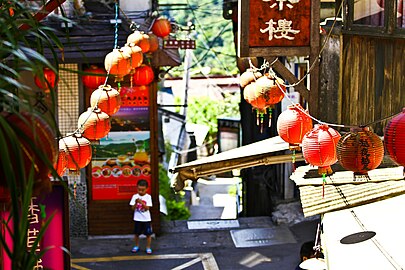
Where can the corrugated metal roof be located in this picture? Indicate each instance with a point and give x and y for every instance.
(342, 192)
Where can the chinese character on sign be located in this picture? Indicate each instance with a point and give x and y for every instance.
(281, 3)
(31, 238)
(32, 209)
(39, 265)
(282, 31)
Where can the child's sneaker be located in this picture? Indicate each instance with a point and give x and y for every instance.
(148, 251)
(135, 249)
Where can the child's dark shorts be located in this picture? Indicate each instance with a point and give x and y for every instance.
(143, 227)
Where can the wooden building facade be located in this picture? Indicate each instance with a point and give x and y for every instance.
(372, 66)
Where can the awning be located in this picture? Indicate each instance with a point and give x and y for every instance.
(343, 191)
(265, 152)
(384, 251)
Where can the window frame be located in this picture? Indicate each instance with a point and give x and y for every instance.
(390, 28)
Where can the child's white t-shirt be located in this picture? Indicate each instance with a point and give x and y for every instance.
(141, 214)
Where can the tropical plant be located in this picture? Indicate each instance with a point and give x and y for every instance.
(22, 45)
(176, 207)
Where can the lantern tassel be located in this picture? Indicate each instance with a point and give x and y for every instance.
(74, 190)
(323, 184)
(293, 160)
(269, 117)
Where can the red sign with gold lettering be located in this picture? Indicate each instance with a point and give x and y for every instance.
(279, 23)
(277, 27)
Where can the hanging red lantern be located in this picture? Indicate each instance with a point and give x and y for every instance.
(61, 163)
(117, 64)
(48, 82)
(134, 53)
(249, 76)
(78, 151)
(360, 151)
(293, 124)
(140, 39)
(153, 43)
(36, 132)
(394, 138)
(94, 123)
(319, 147)
(161, 27)
(271, 88)
(143, 75)
(95, 79)
(106, 99)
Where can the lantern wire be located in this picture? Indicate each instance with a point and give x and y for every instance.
(267, 65)
(79, 130)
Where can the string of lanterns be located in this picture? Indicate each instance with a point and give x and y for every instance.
(75, 150)
(360, 150)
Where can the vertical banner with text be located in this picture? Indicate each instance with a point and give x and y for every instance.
(123, 157)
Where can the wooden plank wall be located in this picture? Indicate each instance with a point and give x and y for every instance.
(372, 81)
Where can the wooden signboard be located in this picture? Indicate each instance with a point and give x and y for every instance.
(277, 27)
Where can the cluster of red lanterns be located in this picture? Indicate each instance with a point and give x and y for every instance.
(75, 149)
(359, 150)
(261, 91)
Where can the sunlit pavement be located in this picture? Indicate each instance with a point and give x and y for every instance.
(200, 244)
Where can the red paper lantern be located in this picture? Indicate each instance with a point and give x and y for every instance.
(106, 99)
(258, 102)
(394, 138)
(153, 43)
(78, 151)
(140, 39)
(319, 147)
(161, 27)
(360, 151)
(48, 82)
(143, 75)
(38, 133)
(94, 123)
(94, 81)
(249, 76)
(134, 53)
(293, 124)
(61, 163)
(270, 88)
(117, 64)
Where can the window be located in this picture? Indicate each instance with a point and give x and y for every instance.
(375, 17)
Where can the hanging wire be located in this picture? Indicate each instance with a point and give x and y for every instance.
(116, 26)
(266, 65)
(79, 129)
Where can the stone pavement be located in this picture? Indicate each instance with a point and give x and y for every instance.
(263, 242)
(181, 248)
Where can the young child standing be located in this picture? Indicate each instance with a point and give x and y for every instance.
(140, 203)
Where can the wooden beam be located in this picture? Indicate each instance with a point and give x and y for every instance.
(44, 11)
(314, 60)
(290, 77)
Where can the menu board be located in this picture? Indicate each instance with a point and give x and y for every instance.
(123, 157)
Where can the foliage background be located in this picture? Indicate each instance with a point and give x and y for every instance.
(213, 34)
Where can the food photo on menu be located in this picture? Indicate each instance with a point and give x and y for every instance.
(119, 161)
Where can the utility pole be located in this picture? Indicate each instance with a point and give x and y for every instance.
(186, 79)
